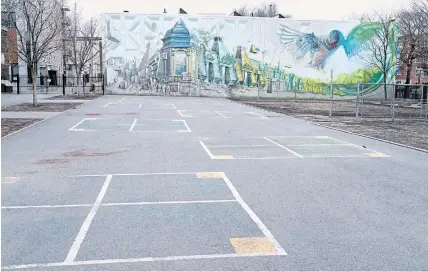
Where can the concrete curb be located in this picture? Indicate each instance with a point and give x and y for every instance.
(341, 130)
(373, 138)
(49, 118)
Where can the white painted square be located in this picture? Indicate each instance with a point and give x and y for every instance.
(245, 222)
(129, 124)
(283, 147)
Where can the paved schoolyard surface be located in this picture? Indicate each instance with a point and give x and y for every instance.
(164, 183)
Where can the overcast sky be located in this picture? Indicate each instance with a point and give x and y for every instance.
(299, 9)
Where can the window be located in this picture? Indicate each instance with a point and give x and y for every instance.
(180, 63)
(421, 72)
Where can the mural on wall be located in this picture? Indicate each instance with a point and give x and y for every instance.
(152, 52)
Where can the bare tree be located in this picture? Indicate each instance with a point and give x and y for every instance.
(360, 16)
(421, 6)
(38, 26)
(263, 10)
(380, 49)
(83, 40)
(412, 41)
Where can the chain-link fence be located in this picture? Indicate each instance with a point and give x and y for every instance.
(389, 101)
(60, 84)
(393, 101)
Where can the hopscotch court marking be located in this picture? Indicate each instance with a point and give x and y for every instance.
(311, 146)
(243, 246)
(131, 125)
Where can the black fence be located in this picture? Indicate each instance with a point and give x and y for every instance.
(62, 84)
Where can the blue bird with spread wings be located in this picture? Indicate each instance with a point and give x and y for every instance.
(320, 48)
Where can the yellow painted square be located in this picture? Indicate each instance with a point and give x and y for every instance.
(208, 175)
(252, 245)
(223, 157)
(321, 137)
(376, 155)
(9, 180)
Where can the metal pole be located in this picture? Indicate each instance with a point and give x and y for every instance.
(101, 65)
(17, 84)
(331, 95)
(295, 93)
(64, 79)
(258, 92)
(357, 102)
(393, 103)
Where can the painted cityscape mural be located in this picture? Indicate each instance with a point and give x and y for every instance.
(155, 52)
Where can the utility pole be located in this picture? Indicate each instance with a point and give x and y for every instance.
(92, 51)
(63, 28)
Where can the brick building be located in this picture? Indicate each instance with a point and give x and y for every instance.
(419, 70)
(9, 55)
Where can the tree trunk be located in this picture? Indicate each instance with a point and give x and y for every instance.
(409, 64)
(33, 80)
(384, 85)
(79, 91)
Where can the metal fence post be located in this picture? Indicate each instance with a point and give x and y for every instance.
(357, 101)
(331, 95)
(295, 93)
(393, 102)
(64, 79)
(17, 84)
(258, 92)
(102, 83)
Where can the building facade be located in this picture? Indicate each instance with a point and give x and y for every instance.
(9, 52)
(419, 69)
(244, 53)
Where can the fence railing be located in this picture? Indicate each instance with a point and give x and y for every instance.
(60, 84)
(390, 101)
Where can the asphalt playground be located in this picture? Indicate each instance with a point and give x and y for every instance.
(177, 183)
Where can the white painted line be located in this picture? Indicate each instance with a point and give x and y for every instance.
(289, 150)
(182, 115)
(46, 206)
(254, 216)
(216, 102)
(146, 259)
(220, 114)
(72, 253)
(315, 145)
(168, 202)
(140, 106)
(24, 266)
(76, 125)
(260, 158)
(255, 113)
(207, 150)
(173, 106)
(157, 131)
(338, 156)
(360, 147)
(239, 145)
(133, 124)
(122, 99)
(137, 174)
(105, 106)
(185, 124)
(119, 204)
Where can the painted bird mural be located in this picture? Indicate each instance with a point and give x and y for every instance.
(320, 48)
